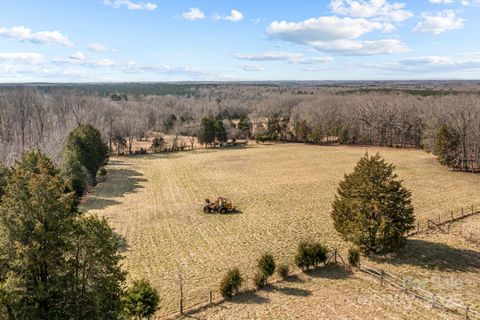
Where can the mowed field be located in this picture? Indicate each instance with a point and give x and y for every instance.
(284, 193)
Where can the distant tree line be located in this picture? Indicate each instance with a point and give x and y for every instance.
(40, 118)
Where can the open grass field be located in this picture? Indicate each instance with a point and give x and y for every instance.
(284, 193)
(324, 294)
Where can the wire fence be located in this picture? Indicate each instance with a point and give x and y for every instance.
(435, 300)
(442, 221)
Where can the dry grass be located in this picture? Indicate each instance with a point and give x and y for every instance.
(324, 294)
(283, 191)
(443, 264)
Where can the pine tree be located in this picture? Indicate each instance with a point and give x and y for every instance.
(36, 215)
(85, 145)
(4, 173)
(94, 275)
(446, 145)
(372, 209)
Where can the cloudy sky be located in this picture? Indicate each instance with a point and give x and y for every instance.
(160, 40)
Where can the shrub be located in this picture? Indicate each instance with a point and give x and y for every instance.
(231, 283)
(310, 254)
(372, 208)
(318, 253)
(141, 300)
(282, 271)
(266, 264)
(302, 258)
(354, 257)
(103, 172)
(260, 280)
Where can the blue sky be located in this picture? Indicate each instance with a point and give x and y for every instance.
(197, 40)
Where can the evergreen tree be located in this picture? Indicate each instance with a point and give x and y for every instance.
(206, 133)
(141, 300)
(446, 145)
(220, 133)
(85, 145)
(4, 173)
(372, 209)
(244, 127)
(53, 264)
(94, 274)
(36, 215)
(76, 176)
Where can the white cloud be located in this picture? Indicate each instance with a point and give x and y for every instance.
(293, 58)
(462, 2)
(77, 56)
(378, 9)
(97, 47)
(326, 28)
(23, 33)
(251, 67)
(235, 16)
(268, 56)
(131, 5)
(366, 47)
(443, 21)
(442, 1)
(432, 64)
(338, 35)
(193, 14)
(25, 57)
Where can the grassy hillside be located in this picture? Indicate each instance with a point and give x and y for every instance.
(284, 193)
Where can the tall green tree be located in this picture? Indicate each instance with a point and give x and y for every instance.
(447, 142)
(220, 133)
(53, 263)
(206, 132)
(4, 173)
(94, 275)
(85, 145)
(36, 215)
(372, 208)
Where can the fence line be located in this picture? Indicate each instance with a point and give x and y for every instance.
(442, 220)
(422, 294)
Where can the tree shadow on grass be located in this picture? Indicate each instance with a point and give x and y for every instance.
(290, 291)
(294, 278)
(117, 184)
(433, 255)
(249, 298)
(335, 272)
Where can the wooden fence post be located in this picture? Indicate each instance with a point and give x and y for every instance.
(211, 297)
(467, 309)
(405, 287)
(381, 276)
(439, 221)
(452, 215)
(462, 212)
(418, 226)
(472, 210)
(434, 300)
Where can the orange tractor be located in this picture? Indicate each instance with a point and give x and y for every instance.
(221, 205)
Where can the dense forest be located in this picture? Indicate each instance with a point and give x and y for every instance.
(443, 121)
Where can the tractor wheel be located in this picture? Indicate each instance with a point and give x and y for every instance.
(223, 210)
(206, 209)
